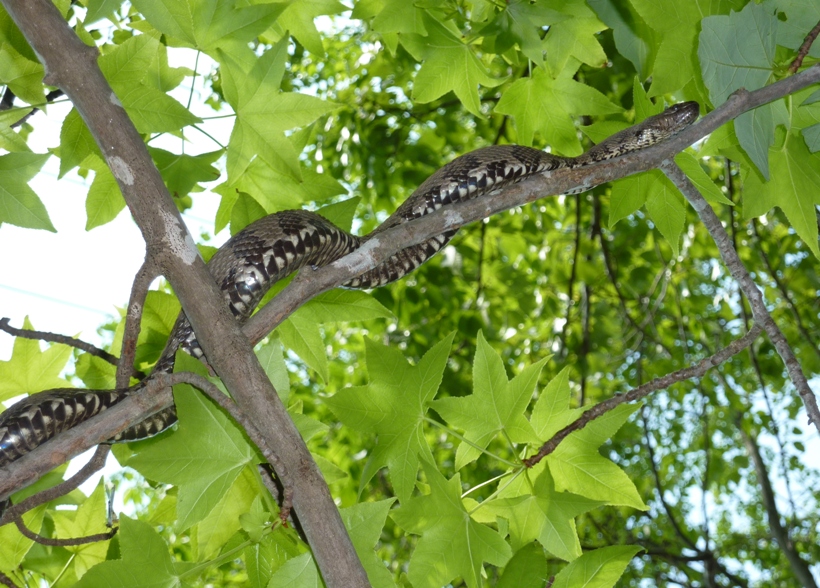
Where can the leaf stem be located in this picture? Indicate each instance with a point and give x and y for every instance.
(468, 442)
(497, 491)
(209, 136)
(486, 482)
(198, 569)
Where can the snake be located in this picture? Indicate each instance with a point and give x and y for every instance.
(274, 246)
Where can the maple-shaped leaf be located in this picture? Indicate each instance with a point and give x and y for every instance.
(23, 76)
(394, 407)
(540, 513)
(575, 37)
(202, 457)
(399, 16)
(576, 465)
(181, 172)
(298, 19)
(207, 24)
(448, 64)
(15, 544)
(31, 370)
(19, 205)
(452, 544)
(541, 103)
(223, 521)
(678, 24)
(495, 406)
(365, 522)
(263, 113)
(521, 22)
(600, 568)
(127, 69)
(146, 561)
(88, 519)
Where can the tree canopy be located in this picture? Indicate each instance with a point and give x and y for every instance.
(608, 387)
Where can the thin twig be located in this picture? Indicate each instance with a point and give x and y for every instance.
(6, 581)
(804, 48)
(95, 464)
(136, 304)
(741, 275)
(600, 409)
(57, 338)
(63, 542)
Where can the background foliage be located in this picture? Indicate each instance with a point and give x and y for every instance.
(420, 399)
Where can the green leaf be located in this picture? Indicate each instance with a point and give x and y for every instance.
(271, 356)
(104, 201)
(31, 370)
(600, 568)
(302, 336)
(394, 406)
(88, 519)
(289, 193)
(446, 528)
(203, 456)
(677, 24)
(793, 188)
(737, 51)
(399, 16)
(15, 544)
(629, 194)
(341, 213)
(96, 373)
(543, 515)
(577, 466)
(521, 23)
(263, 113)
(338, 306)
(299, 572)
(181, 173)
(126, 68)
(10, 140)
(145, 561)
(540, 103)
(23, 76)
(222, 522)
(76, 142)
(812, 137)
(692, 168)
(665, 206)
(575, 37)
(526, 569)
(19, 205)
(450, 65)
(551, 412)
(631, 33)
(244, 212)
(496, 405)
(365, 522)
(208, 24)
(298, 19)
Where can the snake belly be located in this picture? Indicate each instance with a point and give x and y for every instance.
(273, 247)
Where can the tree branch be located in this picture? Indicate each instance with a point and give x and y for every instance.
(133, 317)
(741, 275)
(72, 66)
(600, 409)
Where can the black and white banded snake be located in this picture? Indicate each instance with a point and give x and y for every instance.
(275, 246)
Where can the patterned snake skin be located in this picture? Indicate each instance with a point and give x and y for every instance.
(277, 245)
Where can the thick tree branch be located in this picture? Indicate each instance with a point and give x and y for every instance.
(72, 66)
(741, 275)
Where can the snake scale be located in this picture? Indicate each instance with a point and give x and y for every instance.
(274, 246)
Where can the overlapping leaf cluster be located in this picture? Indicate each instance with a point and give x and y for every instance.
(405, 394)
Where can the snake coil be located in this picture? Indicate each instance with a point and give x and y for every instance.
(274, 246)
